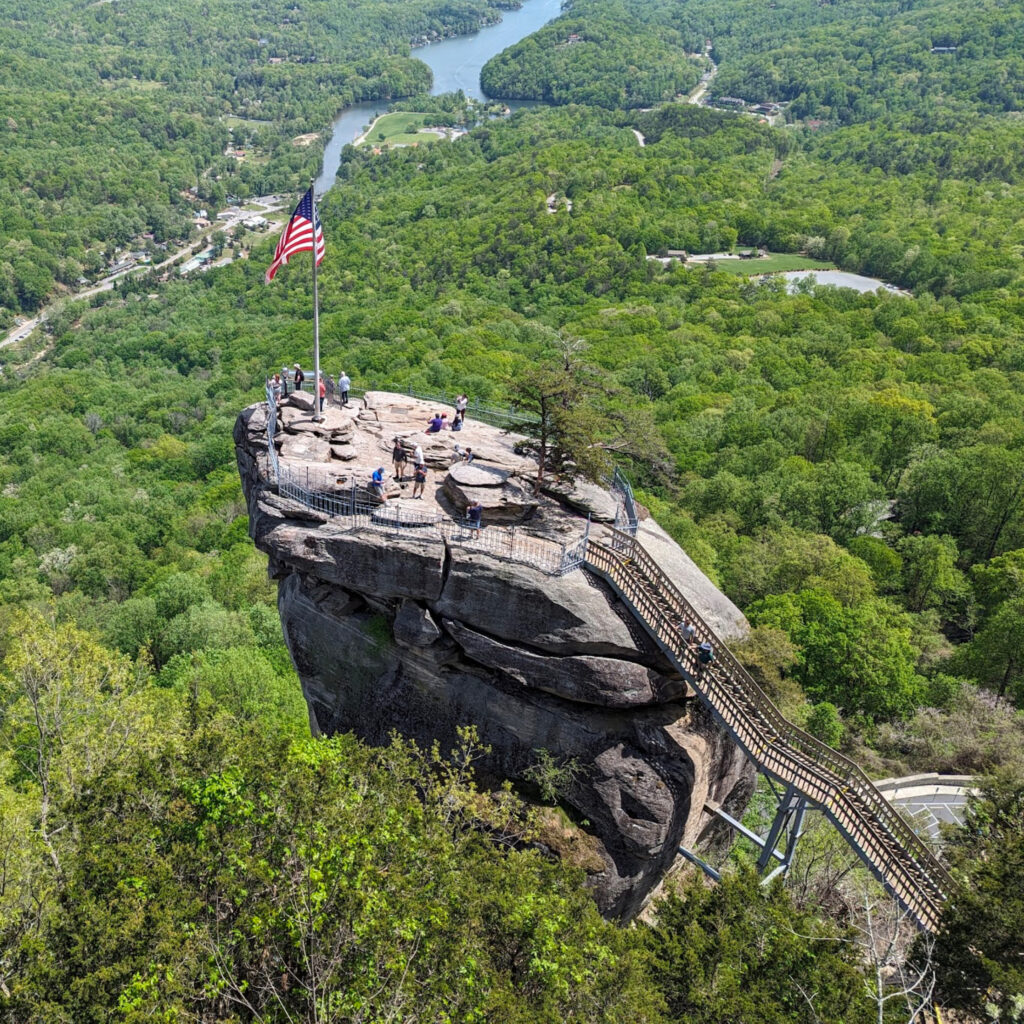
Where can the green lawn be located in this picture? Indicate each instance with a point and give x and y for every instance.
(773, 263)
(399, 129)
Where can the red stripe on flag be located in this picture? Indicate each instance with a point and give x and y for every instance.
(298, 235)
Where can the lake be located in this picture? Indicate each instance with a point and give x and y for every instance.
(456, 64)
(840, 279)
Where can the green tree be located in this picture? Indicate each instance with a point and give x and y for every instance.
(245, 876)
(979, 950)
(930, 576)
(564, 431)
(859, 658)
(1000, 579)
(995, 657)
(737, 951)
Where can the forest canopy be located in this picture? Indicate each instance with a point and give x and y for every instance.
(847, 467)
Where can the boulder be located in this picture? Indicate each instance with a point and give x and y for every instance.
(393, 628)
(586, 497)
(378, 563)
(569, 614)
(303, 448)
(470, 474)
(414, 625)
(505, 504)
(298, 400)
(624, 772)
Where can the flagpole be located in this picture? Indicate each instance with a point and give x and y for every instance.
(317, 412)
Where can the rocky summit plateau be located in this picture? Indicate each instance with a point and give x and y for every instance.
(400, 619)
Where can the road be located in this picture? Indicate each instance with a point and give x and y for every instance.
(227, 221)
(698, 94)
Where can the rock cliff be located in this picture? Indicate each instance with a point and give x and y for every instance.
(427, 628)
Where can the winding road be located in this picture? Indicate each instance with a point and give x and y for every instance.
(227, 221)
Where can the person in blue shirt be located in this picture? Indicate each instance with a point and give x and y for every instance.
(377, 482)
(705, 656)
(474, 513)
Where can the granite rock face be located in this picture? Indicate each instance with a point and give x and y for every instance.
(423, 633)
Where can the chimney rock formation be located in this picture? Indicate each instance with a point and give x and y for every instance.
(423, 628)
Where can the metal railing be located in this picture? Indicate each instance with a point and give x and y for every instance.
(626, 518)
(506, 419)
(353, 507)
(884, 840)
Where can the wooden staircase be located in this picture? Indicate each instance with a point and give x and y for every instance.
(836, 785)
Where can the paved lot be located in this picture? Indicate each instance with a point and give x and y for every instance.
(931, 799)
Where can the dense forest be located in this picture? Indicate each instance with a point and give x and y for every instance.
(849, 468)
(846, 62)
(113, 112)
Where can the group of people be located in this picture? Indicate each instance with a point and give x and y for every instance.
(326, 386)
(439, 421)
(400, 460)
(704, 651)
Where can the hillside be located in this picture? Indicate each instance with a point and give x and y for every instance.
(848, 468)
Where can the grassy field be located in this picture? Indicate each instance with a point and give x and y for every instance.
(773, 263)
(399, 129)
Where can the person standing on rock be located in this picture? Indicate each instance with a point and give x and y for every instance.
(323, 393)
(344, 383)
(284, 381)
(275, 387)
(399, 459)
(419, 479)
(474, 514)
(299, 377)
(460, 407)
(377, 482)
(330, 387)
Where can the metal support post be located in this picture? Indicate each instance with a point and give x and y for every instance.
(788, 821)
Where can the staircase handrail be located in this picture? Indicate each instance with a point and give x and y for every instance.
(628, 502)
(765, 732)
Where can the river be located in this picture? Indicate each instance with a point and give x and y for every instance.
(456, 64)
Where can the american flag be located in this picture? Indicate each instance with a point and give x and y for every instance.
(298, 235)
